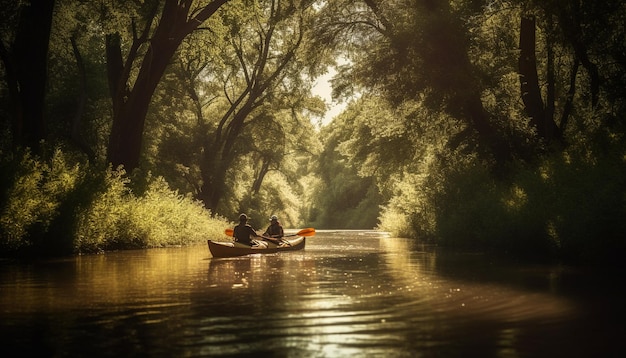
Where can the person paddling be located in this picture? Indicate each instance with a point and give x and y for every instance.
(243, 232)
(275, 231)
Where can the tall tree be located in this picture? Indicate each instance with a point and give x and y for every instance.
(260, 61)
(540, 117)
(25, 62)
(575, 33)
(131, 95)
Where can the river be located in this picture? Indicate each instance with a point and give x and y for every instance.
(348, 294)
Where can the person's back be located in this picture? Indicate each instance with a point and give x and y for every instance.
(243, 231)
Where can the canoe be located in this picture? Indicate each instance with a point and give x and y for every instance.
(233, 249)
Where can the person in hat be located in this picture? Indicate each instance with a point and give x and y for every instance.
(275, 230)
(243, 232)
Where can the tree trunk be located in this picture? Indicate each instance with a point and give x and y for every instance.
(489, 137)
(260, 76)
(570, 18)
(218, 158)
(75, 133)
(115, 70)
(529, 81)
(569, 102)
(29, 62)
(258, 181)
(552, 130)
(128, 123)
(130, 108)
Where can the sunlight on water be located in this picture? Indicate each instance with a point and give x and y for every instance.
(347, 294)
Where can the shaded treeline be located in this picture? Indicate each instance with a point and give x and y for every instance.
(472, 124)
(486, 124)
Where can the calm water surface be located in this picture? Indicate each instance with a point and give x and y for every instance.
(349, 293)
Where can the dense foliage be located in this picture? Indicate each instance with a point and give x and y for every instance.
(488, 124)
(209, 97)
(56, 205)
(472, 124)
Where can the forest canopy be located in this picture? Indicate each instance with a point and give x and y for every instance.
(471, 124)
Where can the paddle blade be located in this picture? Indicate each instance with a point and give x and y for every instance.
(306, 232)
(229, 232)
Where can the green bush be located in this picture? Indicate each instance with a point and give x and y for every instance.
(117, 219)
(409, 212)
(33, 193)
(568, 207)
(58, 206)
(103, 224)
(588, 202)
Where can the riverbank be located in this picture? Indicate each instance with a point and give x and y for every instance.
(64, 207)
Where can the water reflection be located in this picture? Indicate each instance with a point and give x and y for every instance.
(347, 293)
(473, 295)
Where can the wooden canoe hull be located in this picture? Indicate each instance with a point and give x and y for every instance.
(233, 249)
